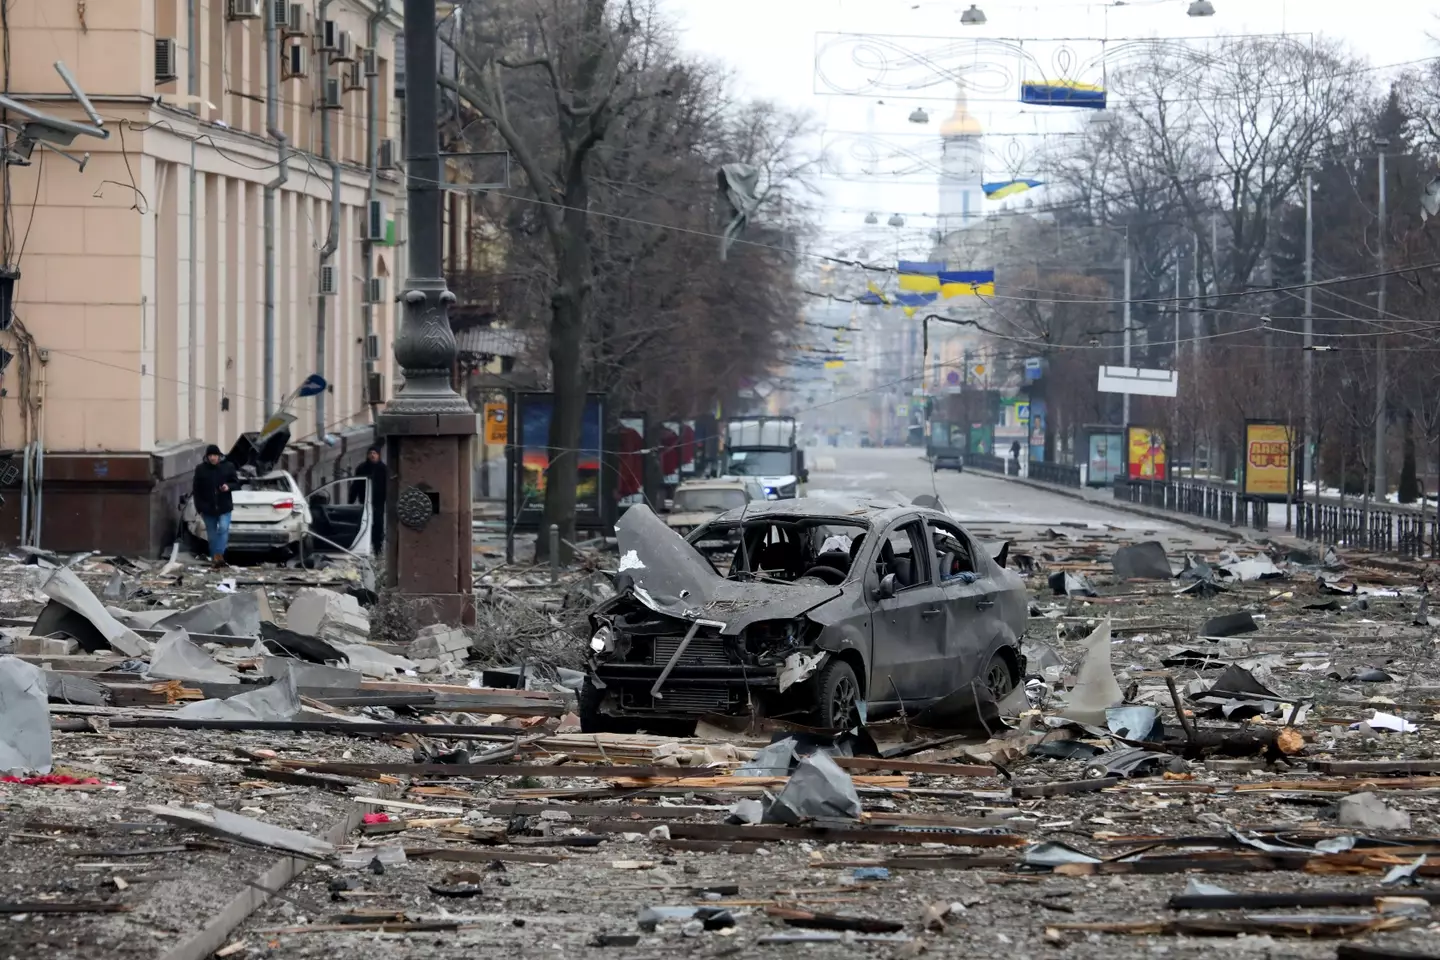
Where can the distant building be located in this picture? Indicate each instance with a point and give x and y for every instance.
(962, 168)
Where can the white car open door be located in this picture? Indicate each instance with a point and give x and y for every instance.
(335, 522)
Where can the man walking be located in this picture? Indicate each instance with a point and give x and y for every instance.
(375, 471)
(213, 501)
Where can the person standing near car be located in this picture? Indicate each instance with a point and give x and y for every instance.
(214, 478)
(378, 475)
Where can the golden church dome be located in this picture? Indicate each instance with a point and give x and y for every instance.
(961, 123)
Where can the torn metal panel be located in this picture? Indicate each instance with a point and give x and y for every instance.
(275, 701)
(24, 718)
(64, 588)
(1142, 561)
(176, 658)
(234, 614)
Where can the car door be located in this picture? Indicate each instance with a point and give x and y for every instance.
(907, 629)
(972, 613)
(335, 522)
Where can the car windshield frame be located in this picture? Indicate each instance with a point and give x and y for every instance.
(759, 463)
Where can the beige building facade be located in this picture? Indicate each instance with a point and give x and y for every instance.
(140, 306)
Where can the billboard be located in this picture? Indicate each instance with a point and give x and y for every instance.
(1145, 454)
(531, 452)
(1269, 467)
(1105, 458)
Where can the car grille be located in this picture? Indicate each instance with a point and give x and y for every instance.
(702, 652)
(678, 698)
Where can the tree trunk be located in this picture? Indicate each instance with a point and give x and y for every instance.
(568, 384)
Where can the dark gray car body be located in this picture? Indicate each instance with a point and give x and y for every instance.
(755, 643)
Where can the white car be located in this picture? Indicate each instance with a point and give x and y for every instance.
(697, 502)
(273, 514)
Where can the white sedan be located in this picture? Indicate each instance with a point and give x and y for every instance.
(273, 514)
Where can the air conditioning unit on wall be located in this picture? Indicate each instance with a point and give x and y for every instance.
(296, 22)
(344, 48)
(296, 63)
(385, 158)
(375, 290)
(328, 283)
(329, 35)
(371, 62)
(334, 97)
(245, 9)
(165, 60)
(354, 79)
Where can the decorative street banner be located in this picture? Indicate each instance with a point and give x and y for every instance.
(1145, 454)
(631, 456)
(1269, 468)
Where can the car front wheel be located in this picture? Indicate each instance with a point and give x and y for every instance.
(837, 696)
(593, 721)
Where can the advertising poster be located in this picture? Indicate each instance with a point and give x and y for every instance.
(533, 458)
(631, 483)
(1269, 472)
(1145, 458)
(1106, 459)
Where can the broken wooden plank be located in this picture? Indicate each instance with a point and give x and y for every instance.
(473, 855)
(1295, 898)
(1063, 787)
(1398, 768)
(63, 906)
(912, 766)
(856, 834)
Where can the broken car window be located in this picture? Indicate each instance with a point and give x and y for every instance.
(953, 556)
(803, 547)
(904, 554)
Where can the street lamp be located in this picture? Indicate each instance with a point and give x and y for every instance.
(974, 17)
(918, 115)
(871, 219)
(896, 220)
(1202, 8)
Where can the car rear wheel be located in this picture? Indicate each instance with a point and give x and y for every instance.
(1000, 676)
(837, 696)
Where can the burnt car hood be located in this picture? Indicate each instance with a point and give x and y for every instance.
(670, 576)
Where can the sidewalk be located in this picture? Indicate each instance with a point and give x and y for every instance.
(1104, 498)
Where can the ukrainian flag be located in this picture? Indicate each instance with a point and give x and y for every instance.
(967, 283)
(1062, 93)
(1008, 188)
(919, 276)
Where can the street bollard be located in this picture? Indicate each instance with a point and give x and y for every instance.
(554, 553)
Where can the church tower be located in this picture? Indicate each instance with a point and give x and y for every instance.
(962, 168)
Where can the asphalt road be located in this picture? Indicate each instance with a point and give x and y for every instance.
(982, 501)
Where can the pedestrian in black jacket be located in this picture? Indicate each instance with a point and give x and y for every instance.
(378, 475)
(214, 480)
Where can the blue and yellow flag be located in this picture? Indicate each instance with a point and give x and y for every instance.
(1008, 188)
(967, 283)
(1062, 93)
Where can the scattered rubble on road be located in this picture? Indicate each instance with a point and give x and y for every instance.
(242, 764)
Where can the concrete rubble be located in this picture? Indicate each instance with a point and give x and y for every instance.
(270, 774)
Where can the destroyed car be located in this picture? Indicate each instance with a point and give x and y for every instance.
(697, 502)
(829, 612)
(272, 513)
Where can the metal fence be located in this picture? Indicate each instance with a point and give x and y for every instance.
(1063, 474)
(1401, 532)
(988, 461)
(1222, 504)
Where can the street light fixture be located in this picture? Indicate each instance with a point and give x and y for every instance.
(918, 115)
(871, 219)
(1202, 8)
(896, 220)
(973, 17)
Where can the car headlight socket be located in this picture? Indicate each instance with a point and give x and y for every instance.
(603, 640)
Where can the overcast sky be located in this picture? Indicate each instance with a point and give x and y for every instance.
(770, 46)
